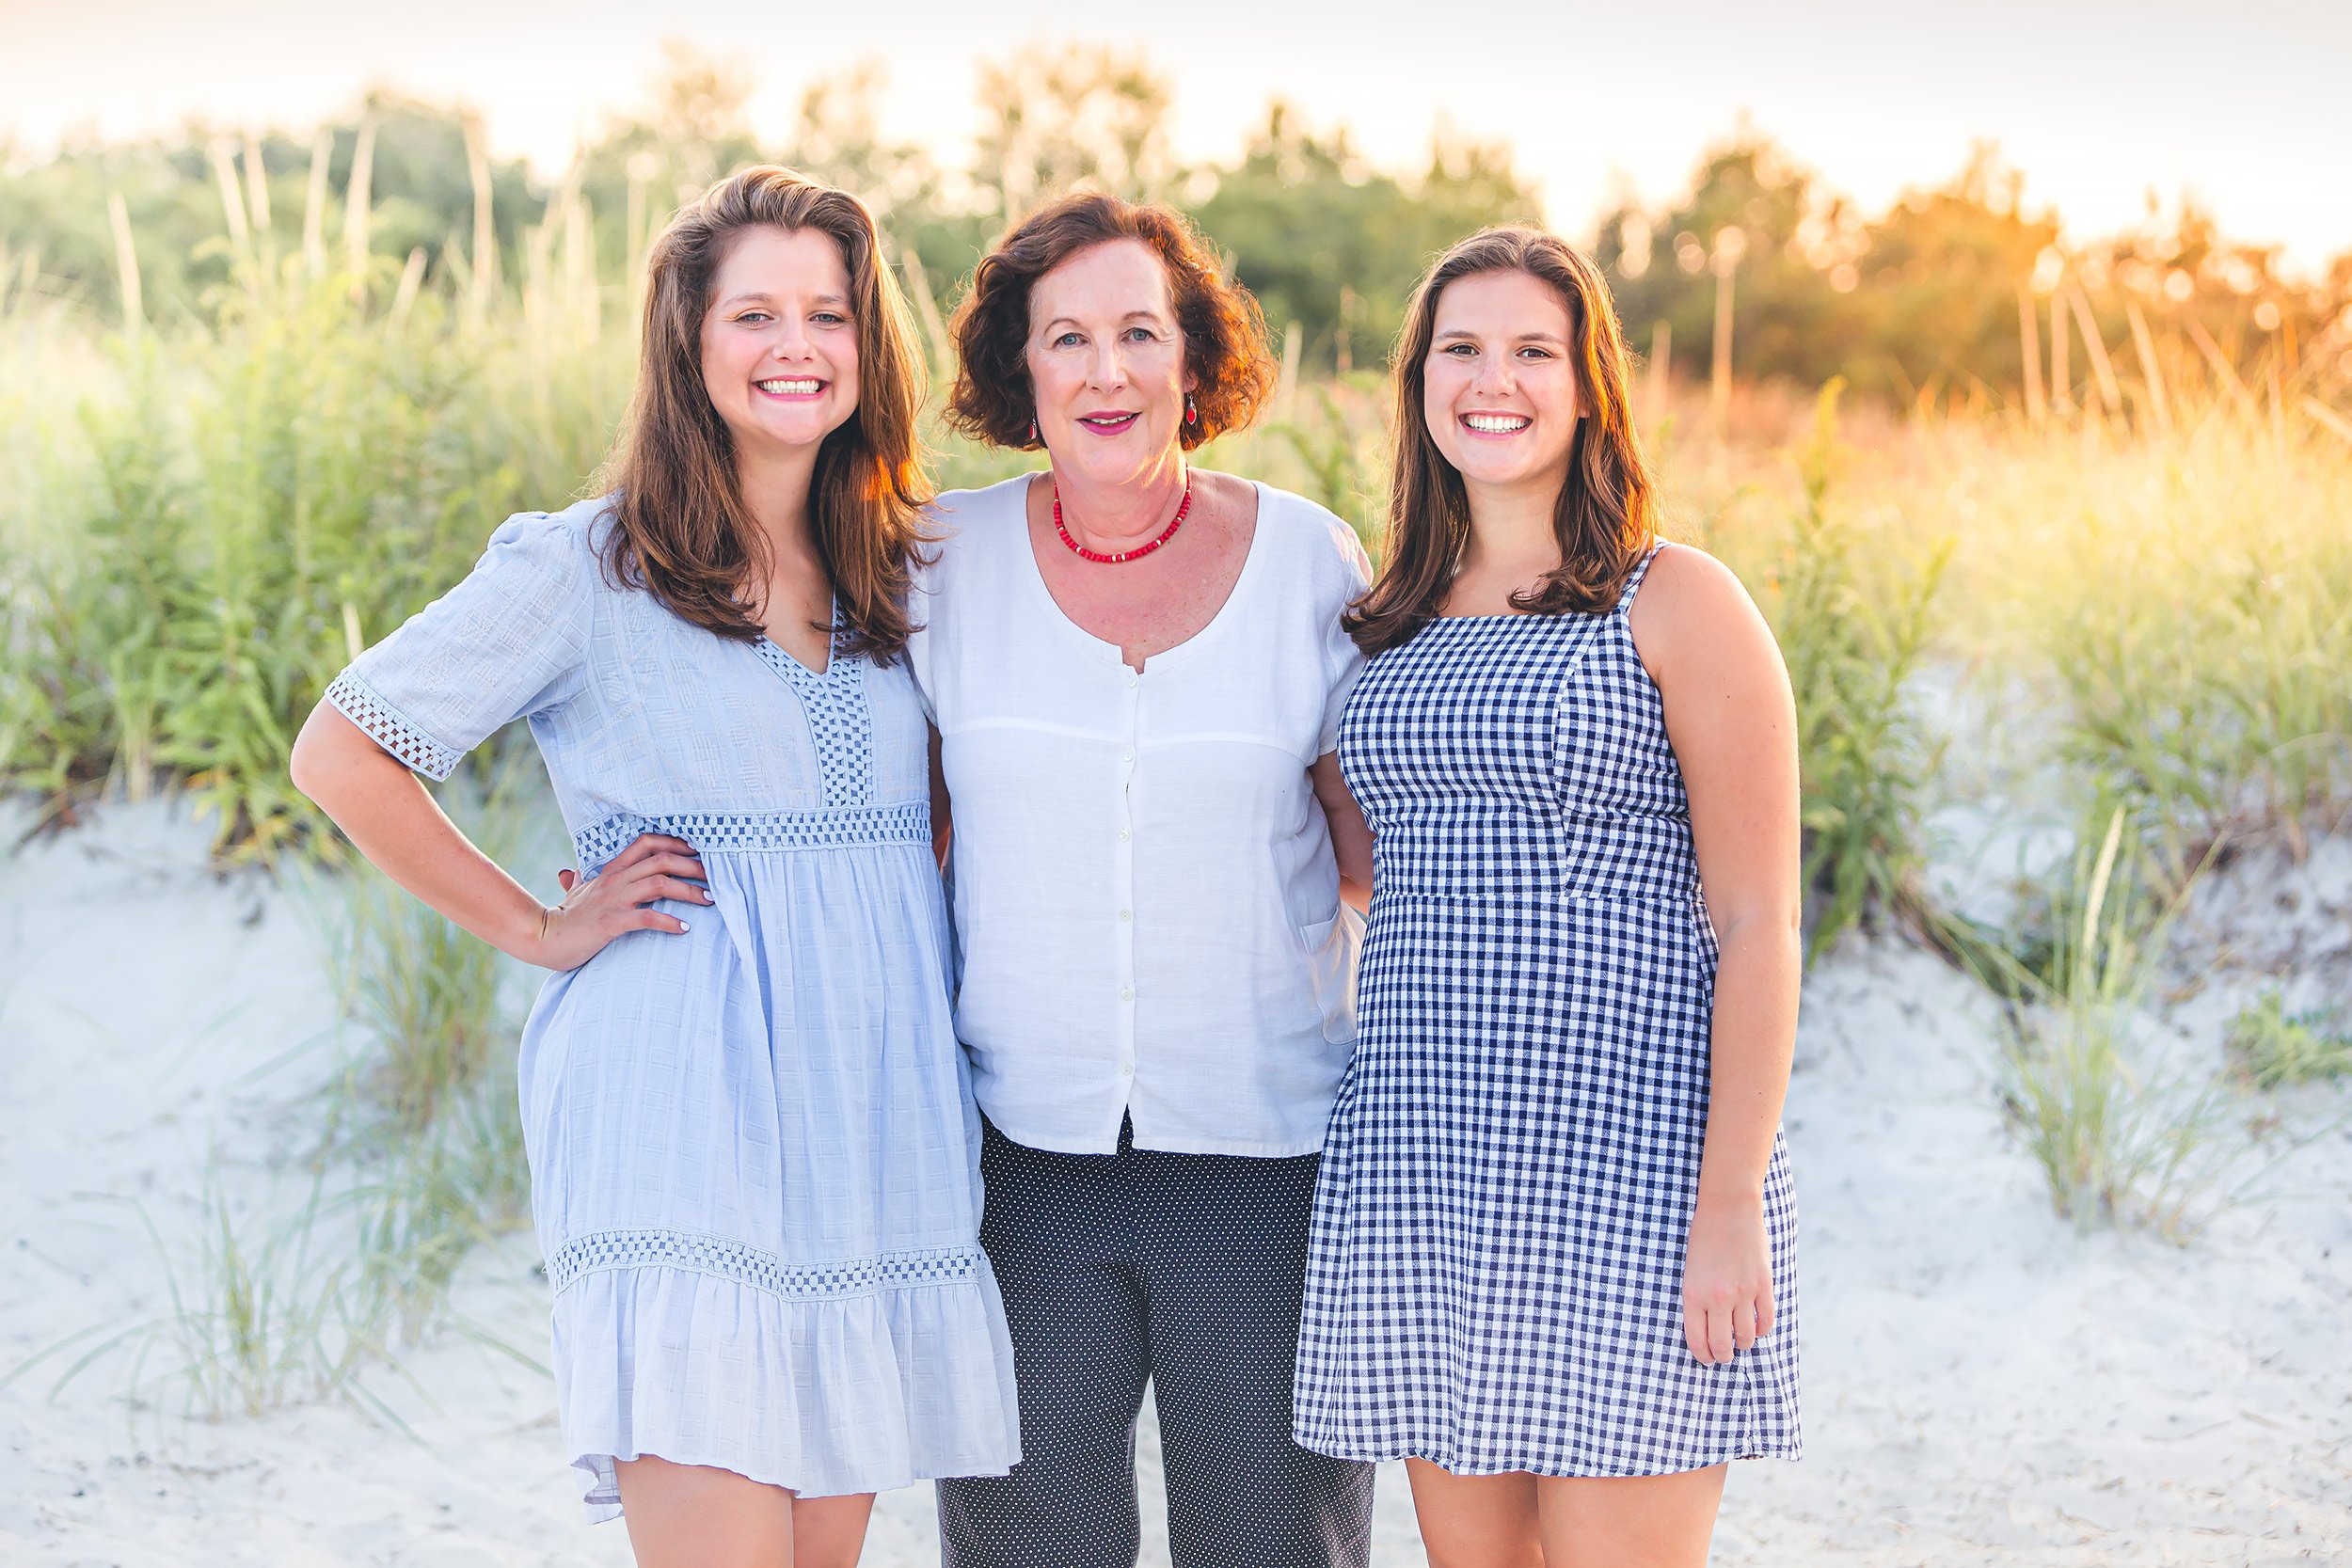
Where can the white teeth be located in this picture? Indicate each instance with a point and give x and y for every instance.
(790, 386)
(1496, 424)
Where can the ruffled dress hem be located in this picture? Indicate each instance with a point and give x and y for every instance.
(863, 1388)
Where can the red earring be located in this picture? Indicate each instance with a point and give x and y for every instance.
(1192, 415)
(1033, 430)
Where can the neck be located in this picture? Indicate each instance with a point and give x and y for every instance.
(1511, 529)
(1112, 515)
(774, 484)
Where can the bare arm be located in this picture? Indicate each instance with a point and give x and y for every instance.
(1351, 835)
(389, 815)
(1732, 723)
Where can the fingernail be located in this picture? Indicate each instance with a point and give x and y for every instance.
(681, 926)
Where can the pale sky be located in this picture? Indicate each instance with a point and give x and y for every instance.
(2097, 102)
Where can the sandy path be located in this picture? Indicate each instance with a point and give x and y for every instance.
(1983, 1386)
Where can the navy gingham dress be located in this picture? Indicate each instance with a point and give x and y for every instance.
(1495, 1282)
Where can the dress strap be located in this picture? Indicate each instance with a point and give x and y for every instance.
(1633, 578)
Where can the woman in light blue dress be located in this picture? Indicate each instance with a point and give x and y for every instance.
(753, 1148)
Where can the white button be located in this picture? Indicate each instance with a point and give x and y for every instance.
(1126, 756)
(1126, 994)
(1133, 677)
(1126, 914)
(1124, 834)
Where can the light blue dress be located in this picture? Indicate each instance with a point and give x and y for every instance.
(754, 1152)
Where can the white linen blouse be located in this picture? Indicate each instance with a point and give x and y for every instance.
(1144, 889)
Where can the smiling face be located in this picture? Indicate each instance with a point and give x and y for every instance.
(1499, 389)
(779, 343)
(1106, 363)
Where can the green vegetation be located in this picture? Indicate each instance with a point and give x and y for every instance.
(1853, 627)
(256, 1316)
(430, 999)
(1960, 296)
(1329, 242)
(422, 1142)
(2117, 1135)
(2182, 606)
(421, 1161)
(2270, 1047)
(225, 514)
(250, 433)
(1920, 304)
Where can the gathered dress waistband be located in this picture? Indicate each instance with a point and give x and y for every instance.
(757, 831)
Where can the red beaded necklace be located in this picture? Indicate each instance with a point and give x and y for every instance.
(1114, 558)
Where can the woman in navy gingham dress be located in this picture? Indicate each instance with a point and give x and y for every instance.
(1553, 1258)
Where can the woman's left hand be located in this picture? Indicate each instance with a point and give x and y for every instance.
(1726, 1279)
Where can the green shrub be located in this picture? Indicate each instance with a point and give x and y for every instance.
(2269, 1046)
(1853, 628)
(2117, 1136)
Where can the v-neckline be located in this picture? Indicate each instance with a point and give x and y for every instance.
(833, 651)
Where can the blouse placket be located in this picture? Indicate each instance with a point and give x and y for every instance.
(1123, 877)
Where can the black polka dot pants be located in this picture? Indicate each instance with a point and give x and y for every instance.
(1183, 1271)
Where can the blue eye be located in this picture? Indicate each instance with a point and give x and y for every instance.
(1065, 339)
(753, 316)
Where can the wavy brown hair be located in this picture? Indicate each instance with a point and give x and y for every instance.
(684, 534)
(1225, 336)
(1607, 513)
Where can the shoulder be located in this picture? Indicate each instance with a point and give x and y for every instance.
(959, 527)
(543, 567)
(1316, 536)
(1691, 607)
(953, 513)
(555, 539)
(1684, 584)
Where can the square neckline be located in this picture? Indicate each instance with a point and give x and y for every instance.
(1625, 599)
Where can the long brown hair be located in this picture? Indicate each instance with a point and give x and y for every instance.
(684, 534)
(1607, 513)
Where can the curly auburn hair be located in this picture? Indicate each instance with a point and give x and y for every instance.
(1606, 516)
(1225, 336)
(683, 533)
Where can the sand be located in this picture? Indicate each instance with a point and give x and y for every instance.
(1984, 1384)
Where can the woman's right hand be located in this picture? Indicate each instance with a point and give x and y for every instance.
(617, 899)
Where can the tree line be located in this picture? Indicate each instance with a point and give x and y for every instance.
(1958, 291)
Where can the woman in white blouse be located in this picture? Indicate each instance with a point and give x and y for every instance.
(1136, 669)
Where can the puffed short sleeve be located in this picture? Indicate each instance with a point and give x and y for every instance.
(508, 641)
(1343, 660)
